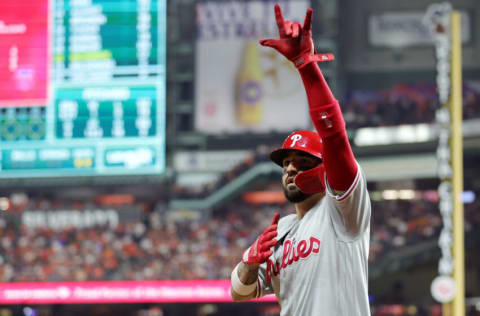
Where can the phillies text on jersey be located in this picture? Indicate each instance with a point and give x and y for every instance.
(292, 252)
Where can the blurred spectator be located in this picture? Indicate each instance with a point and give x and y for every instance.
(185, 245)
(403, 104)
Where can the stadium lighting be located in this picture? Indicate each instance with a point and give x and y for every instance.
(390, 195)
(406, 194)
(468, 197)
(4, 204)
(415, 133)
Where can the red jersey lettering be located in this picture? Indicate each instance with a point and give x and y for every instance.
(292, 251)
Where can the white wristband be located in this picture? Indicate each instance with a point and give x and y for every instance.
(240, 288)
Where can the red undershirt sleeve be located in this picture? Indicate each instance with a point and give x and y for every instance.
(326, 115)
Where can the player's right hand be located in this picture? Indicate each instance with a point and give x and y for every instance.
(259, 251)
(295, 42)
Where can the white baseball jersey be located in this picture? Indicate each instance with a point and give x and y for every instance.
(320, 264)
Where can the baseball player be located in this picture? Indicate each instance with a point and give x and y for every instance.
(314, 261)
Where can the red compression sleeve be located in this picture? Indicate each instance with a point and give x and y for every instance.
(327, 118)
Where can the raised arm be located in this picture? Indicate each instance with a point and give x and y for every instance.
(296, 44)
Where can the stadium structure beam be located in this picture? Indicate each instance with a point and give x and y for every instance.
(457, 164)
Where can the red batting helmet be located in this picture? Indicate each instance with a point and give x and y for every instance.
(306, 141)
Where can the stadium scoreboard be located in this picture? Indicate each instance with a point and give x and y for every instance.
(83, 87)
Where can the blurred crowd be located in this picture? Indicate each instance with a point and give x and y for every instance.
(403, 104)
(156, 246)
(164, 244)
(400, 223)
(416, 310)
(224, 309)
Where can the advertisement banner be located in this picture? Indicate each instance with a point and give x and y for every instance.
(209, 161)
(66, 218)
(403, 29)
(119, 292)
(241, 86)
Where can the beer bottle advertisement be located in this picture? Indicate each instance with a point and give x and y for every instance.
(249, 86)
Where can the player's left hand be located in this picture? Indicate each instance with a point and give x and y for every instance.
(295, 40)
(260, 250)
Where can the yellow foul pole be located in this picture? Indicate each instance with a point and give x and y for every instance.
(456, 147)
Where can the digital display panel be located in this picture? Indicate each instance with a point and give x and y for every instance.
(24, 50)
(84, 90)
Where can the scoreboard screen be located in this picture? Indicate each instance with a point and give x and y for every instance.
(82, 87)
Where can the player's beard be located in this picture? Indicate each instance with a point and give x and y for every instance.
(294, 195)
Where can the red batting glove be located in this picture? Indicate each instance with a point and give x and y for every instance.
(295, 41)
(259, 251)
